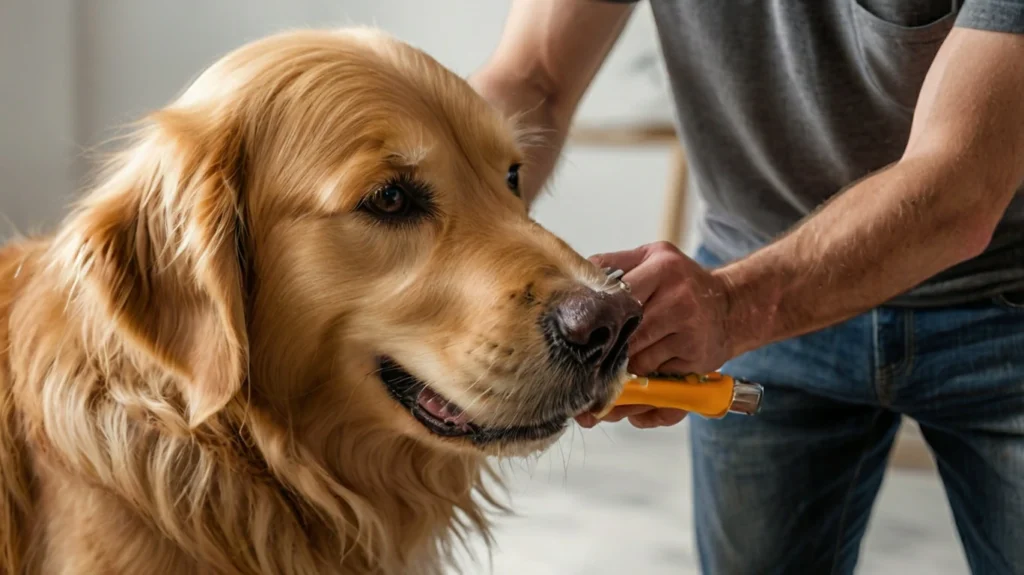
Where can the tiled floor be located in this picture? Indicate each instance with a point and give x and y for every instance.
(615, 500)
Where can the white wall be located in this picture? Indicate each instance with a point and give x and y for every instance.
(37, 123)
(73, 72)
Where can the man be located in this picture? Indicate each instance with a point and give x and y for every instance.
(862, 253)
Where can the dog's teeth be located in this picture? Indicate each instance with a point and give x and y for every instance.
(441, 408)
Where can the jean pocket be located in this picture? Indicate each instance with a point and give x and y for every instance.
(1012, 300)
(897, 42)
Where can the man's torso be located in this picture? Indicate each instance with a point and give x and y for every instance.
(782, 104)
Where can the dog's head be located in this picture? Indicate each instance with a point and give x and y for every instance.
(329, 224)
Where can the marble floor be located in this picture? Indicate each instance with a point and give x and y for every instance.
(615, 500)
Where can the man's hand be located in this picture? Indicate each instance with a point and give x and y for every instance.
(685, 308)
(934, 208)
(641, 416)
(683, 330)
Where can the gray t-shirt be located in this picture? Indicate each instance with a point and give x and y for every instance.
(783, 104)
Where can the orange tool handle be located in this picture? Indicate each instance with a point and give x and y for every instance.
(713, 395)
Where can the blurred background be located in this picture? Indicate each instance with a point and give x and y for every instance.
(608, 500)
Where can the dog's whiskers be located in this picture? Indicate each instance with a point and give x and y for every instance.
(485, 374)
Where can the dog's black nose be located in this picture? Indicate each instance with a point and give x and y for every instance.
(593, 327)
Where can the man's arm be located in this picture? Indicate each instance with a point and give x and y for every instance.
(548, 55)
(935, 208)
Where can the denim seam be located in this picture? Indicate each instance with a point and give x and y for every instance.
(911, 345)
(879, 371)
(887, 372)
(908, 342)
(849, 492)
(906, 363)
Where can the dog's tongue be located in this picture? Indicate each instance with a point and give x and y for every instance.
(441, 408)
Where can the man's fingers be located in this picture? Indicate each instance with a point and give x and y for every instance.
(656, 325)
(657, 418)
(640, 416)
(661, 353)
(643, 282)
(624, 260)
(588, 420)
(624, 411)
(678, 366)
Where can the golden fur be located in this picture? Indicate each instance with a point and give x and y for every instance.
(188, 380)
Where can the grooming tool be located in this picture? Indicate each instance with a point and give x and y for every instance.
(616, 276)
(713, 395)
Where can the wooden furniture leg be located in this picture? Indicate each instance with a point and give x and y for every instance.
(673, 217)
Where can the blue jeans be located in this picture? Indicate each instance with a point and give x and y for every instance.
(790, 490)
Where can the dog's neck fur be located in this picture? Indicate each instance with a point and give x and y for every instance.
(236, 495)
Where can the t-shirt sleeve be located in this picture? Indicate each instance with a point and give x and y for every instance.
(992, 15)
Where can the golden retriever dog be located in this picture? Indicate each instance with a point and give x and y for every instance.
(291, 327)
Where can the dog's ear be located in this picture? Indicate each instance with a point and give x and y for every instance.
(158, 244)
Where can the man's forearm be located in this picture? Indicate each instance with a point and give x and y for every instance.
(549, 53)
(879, 238)
(546, 125)
(936, 207)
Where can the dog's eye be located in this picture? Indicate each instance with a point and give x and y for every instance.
(402, 199)
(512, 179)
(391, 200)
